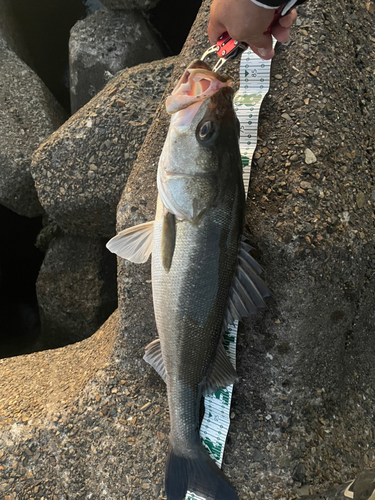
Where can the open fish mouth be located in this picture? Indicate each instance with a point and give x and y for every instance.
(197, 84)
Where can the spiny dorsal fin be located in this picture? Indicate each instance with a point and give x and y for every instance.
(250, 261)
(222, 374)
(134, 243)
(154, 357)
(248, 289)
(168, 240)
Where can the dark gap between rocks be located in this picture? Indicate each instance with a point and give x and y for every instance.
(173, 21)
(45, 28)
(20, 262)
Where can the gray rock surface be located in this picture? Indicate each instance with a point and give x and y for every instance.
(142, 5)
(28, 115)
(303, 409)
(106, 42)
(81, 170)
(76, 289)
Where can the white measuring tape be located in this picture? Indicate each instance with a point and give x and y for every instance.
(254, 85)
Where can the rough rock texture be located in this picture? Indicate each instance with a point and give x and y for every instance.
(142, 5)
(28, 114)
(76, 289)
(290, 424)
(106, 42)
(53, 379)
(81, 170)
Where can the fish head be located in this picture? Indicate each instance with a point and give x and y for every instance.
(204, 129)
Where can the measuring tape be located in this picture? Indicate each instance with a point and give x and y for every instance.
(254, 85)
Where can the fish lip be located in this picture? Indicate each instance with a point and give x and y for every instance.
(197, 84)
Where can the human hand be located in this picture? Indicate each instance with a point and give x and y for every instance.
(246, 22)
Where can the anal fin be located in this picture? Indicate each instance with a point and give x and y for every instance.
(153, 356)
(222, 374)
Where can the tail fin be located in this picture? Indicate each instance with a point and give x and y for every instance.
(200, 475)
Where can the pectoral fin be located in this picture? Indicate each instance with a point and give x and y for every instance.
(154, 357)
(134, 243)
(222, 374)
(168, 240)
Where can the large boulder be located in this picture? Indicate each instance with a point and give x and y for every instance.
(76, 289)
(106, 42)
(28, 115)
(81, 170)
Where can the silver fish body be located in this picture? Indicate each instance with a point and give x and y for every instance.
(204, 189)
(202, 275)
(191, 297)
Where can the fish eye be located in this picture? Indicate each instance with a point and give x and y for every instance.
(206, 131)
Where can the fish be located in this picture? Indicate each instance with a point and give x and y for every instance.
(203, 276)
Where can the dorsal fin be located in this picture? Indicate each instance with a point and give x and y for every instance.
(248, 289)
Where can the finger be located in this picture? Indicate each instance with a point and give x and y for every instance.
(281, 34)
(214, 30)
(263, 53)
(288, 20)
(262, 41)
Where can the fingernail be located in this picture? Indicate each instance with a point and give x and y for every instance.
(263, 52)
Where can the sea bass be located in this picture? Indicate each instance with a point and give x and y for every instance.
(203, 277)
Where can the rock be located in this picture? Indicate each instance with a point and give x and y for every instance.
(257, 455)
(81, 170)
(298, 473)
(309, 157)
(127, 5)
(261, 162)
(28, 115)
(76, 289)
(360, 199)
(370, 6)
(106, 42)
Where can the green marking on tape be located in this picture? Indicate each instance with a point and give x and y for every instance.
(222, 395)
(215, 450)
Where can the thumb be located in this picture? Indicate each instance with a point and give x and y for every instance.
(261, 41)
(263, 53)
